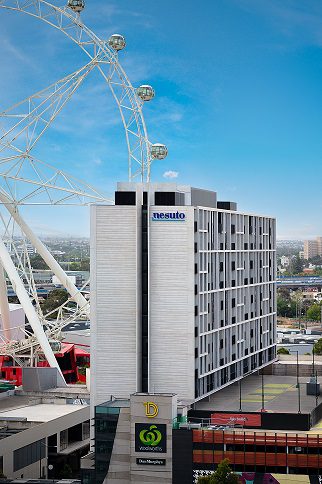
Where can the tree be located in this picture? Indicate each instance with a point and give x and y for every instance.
(317, 348)
(286, 308)
(314, 312)
(284, 293)
(55, 298)
(283, 351)
(37, 262)
(223, 475)
(66, 472)
(296, 265)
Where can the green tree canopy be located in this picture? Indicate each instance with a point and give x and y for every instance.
(284, 293)
(283, 351)
(318, 347)
(314, 312)
(296, 265)
(55, 298)
(80, 266)
(286, 308)
(37, 262)
(66, 472)
(223, 475)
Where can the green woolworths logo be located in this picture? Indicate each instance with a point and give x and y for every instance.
(151, 437)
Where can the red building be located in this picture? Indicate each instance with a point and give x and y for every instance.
(72, 360)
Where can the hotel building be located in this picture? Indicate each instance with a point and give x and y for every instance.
(182, 292)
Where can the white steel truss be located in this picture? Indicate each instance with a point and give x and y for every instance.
(25, 180)
(129, 104)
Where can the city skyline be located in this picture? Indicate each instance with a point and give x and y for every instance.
(237, 104)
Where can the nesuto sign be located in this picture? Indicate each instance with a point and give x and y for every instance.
(150, 438)
(168, 216)
(147, 462)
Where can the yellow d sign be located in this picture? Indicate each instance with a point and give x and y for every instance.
(151, 409)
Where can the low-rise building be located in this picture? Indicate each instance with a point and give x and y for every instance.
(44, 432)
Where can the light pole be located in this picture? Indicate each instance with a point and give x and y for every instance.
(297, 379)
(240, 395)
(263, 396)
(40, 458)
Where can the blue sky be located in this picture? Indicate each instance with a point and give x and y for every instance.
(239, 102)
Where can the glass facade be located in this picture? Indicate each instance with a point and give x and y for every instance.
(105, 423)
(29, 454)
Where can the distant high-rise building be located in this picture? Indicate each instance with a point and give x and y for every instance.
(312, 248)
(182, 292)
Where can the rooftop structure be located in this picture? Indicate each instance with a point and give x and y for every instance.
(43, 428)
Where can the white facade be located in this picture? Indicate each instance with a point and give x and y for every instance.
(182, 293)
(17, 322)
(171, 308)
(114, 302)
(285, 261)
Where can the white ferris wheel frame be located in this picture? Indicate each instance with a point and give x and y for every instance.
(139, 161)
(129, 103)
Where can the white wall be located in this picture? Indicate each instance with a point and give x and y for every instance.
(114, 283)
(171, 255)
(17, 320)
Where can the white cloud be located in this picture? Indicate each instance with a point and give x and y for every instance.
(171, 174)
(97, 161)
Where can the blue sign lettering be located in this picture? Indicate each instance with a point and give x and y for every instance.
(169, 216)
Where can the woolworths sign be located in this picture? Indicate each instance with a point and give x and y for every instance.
(150, 438)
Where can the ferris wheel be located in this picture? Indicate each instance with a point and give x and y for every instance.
(26, 180)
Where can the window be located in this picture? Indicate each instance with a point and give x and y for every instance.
(221, 305)
(233, 339)
(233, 229)
(221, 266)
(196, 226)
(222, 362)
(63, 439)
(196, 247)
(251, 264)
(233, 302)
(196, 268)
(233, 246)
(233, 320)
(29, 454)
(196, 310)
(233, 283)
(196, 352)
(252, 333)
(233, 265)
(221, 344)
(233, 357)
(86, 430)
